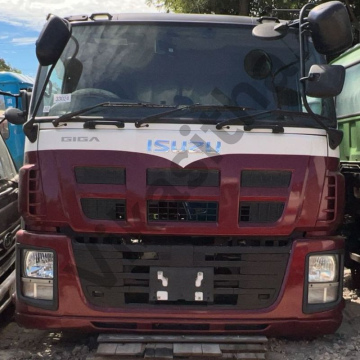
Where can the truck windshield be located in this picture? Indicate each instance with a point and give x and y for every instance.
(165, 65)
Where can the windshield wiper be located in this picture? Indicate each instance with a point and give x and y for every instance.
(154, 118)
(240, 119)
(68, 116)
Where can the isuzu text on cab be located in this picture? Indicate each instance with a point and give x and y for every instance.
(181, 175)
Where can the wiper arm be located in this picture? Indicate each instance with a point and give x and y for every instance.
(70, 115)
(154, 118)
(240, 119)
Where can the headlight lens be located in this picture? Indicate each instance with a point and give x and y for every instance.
(38, 264)
(323, 268)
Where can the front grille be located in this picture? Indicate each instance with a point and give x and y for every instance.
(104, 209)
(7, 251)
(181, 177)
(182, 211)
(260, 212)
(236, 274)
(265, 178)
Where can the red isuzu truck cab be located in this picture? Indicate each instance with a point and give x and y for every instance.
(181, 175)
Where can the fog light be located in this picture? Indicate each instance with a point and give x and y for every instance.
(323, 293)
(38, 288)
(37, 274)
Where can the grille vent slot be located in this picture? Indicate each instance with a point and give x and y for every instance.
(260, 212)
(265, 178)
(34, 193)
(180, 177)
(331, 198)
(182, 211)
(104, 209)
(100, 175)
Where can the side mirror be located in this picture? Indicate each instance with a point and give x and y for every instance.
(325, 81)
(15, 116)
(330, 28)
(52, 40)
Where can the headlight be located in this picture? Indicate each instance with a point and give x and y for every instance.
(38, 274)
(38, 264)
(323, 279)
(323, 268)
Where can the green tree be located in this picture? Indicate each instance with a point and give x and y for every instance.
(243, 7)
(253, 8)
(6, 67)
(232, 7)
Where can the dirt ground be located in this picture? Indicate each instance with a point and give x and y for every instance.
(22, 344)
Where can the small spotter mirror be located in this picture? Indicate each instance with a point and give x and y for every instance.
(330, 28)
(257, 64)
(270, 30)
(52, 40)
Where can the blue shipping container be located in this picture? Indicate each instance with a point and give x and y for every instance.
(13, 134)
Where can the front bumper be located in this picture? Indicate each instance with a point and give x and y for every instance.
(285, 317)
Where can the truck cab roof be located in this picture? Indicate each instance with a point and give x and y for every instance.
(166, 17)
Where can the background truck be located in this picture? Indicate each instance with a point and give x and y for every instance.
(9, 225)
(13, 83)
(348, 113)
(181, 175)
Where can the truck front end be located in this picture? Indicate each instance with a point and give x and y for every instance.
(174, 182)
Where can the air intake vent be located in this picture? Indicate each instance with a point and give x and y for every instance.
(100, 175)
(260, 212)
(180, 177)
(265, 178)
(104, 209)
(182, 211)
(34, 193)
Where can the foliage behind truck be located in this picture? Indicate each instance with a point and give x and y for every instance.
(348, 110)
(181, 175)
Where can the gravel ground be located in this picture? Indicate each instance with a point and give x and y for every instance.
(23, 344)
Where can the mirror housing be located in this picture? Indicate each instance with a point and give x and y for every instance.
(258, 64)
(52, 40)
(325, 81)
(330, 28)
(270, 30)
(15, 116)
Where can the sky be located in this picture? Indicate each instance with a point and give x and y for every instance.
(22, 20)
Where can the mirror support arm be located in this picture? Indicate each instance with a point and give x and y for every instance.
(335, 136)
(30, 130)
